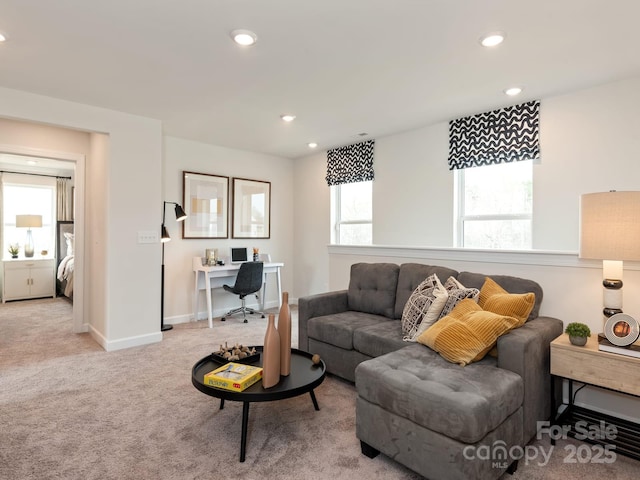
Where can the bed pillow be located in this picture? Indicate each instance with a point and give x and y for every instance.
(70, 238)
(423, 307)
(467, 333)
(496, 299)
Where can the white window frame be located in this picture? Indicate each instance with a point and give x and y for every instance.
(459, 208)
(17, 180)
(336, 220)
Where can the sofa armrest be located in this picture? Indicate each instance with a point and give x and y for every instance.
(317, 306)
(526, 351)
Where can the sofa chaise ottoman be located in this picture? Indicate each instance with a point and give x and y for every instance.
(413, 405)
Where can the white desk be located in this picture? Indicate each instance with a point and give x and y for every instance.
(207, 277)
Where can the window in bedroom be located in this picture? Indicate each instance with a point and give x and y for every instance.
(495, 206)
(28, 196)
(352, 213)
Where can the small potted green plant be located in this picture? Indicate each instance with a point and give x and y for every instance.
(14, 249)
(578, 333)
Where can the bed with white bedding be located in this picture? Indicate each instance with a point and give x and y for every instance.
(64, 258)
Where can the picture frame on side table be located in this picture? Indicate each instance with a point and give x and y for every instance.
(251, 208)
(206, 203)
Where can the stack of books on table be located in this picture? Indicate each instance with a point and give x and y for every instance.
(233, 376)
(632, 350)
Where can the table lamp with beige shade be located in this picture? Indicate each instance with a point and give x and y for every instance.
(29, 222)
(610, 231)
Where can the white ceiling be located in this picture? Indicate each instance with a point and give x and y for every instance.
(342, 66)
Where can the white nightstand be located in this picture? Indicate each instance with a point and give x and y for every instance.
(28, 278)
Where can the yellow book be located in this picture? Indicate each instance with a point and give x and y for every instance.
(233, 376)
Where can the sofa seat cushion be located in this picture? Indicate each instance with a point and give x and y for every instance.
(463, 403)
(337, 329)
(378, 339)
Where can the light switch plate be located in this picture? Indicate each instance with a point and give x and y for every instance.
(148, 236)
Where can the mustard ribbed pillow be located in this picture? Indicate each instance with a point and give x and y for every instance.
(467, 333)
(496, 299)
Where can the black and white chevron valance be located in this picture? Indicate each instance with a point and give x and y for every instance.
(350, 164)
(505, 135)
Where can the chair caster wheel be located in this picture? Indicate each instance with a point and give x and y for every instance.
(246, 321)
(222, 319)
(263, 315)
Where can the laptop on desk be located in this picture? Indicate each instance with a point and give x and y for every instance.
(239, 255)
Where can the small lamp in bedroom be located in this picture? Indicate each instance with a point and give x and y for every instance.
(29, 222)
(610, 231)
(180, 216)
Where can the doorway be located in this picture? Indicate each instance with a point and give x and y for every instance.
(76, 163)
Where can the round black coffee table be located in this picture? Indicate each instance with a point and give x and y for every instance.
(304, 377)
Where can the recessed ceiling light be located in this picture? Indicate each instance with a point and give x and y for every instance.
(493, 39)
(312, 144)
(513, 91)
(287, 117)
(246, 38)
(2, 38)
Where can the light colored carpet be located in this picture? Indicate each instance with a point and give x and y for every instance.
(69, 410)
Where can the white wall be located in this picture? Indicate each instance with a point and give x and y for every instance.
(43, 137)
(184, 155)
(589, 143)
(96, 222)
(312, 230)
(412, 177)
(124, 274)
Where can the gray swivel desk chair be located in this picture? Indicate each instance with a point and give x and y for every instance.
(248, 282)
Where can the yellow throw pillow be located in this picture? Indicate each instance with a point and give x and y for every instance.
(467, 333)
(496, 299)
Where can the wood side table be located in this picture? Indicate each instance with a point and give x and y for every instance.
(611, 371)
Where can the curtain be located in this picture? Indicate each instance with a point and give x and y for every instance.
(63, 204)
(505, 135)
(349, 164)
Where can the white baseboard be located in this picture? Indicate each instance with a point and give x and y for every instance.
(128, 342)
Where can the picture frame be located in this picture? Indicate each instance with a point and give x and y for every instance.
(251, 208)
(206, 203)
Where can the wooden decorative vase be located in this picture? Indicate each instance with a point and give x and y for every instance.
(271, 355)
(284, 329)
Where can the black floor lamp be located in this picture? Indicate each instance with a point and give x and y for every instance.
(180, 216)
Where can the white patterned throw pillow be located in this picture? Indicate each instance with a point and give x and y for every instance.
(423, 307)
(457, 292)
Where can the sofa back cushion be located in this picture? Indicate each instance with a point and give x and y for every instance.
(509, 283)
(372, 288)
(411, 275)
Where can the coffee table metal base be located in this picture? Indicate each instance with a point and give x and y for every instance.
(245, 422)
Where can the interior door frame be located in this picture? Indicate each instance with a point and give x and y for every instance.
(79, 325)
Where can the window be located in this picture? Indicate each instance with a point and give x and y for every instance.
(352, 213)
(494, 206)
(33, 197)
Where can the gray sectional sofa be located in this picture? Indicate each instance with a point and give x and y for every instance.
(413, 405)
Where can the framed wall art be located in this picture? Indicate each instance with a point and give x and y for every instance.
(251, 208)
(206, 202)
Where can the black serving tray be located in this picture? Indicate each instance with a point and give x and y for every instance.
(248, 359)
